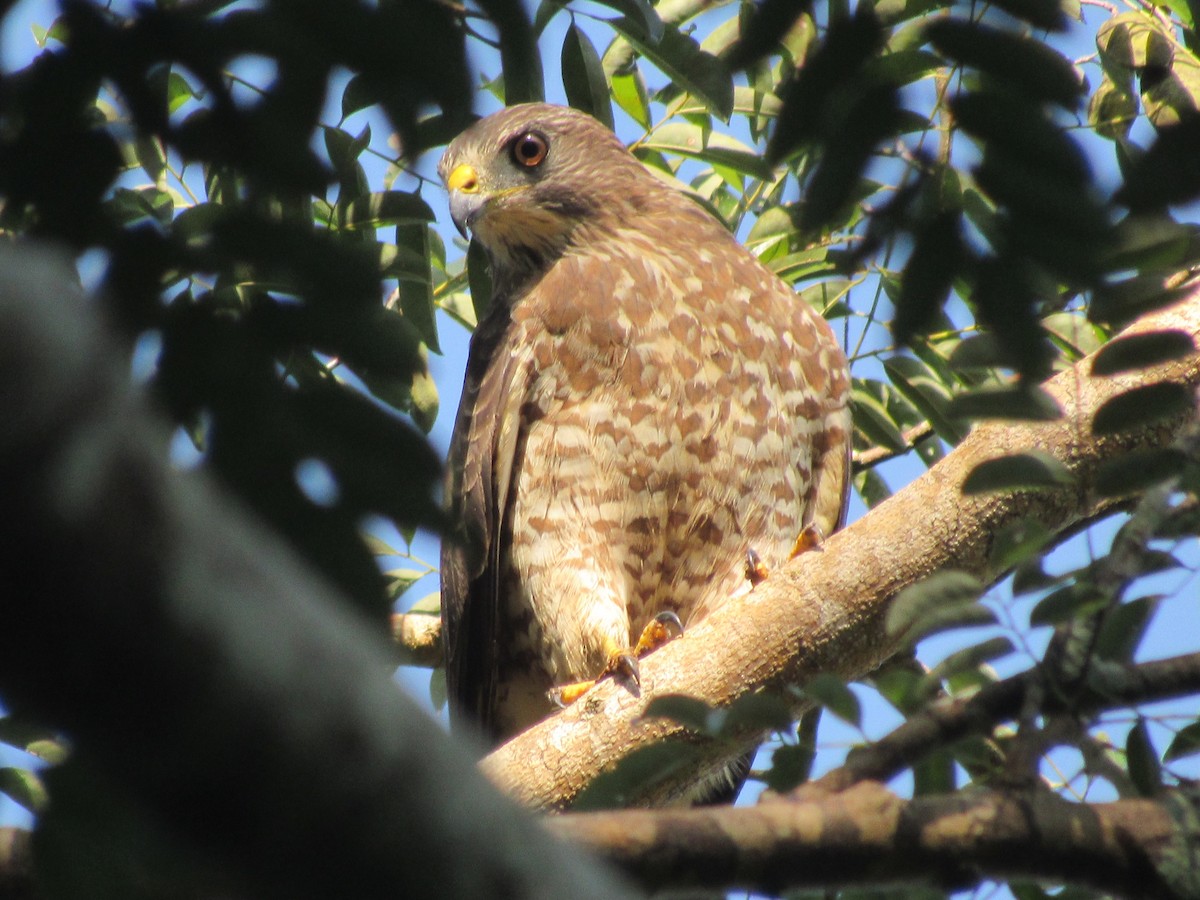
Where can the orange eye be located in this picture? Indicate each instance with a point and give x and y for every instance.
(530, 149)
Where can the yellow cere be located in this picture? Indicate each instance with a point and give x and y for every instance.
(463, 179)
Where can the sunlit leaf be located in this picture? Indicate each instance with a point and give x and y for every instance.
(681, 59)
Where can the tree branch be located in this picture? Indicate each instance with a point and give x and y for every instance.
(824, 612)
(868, 835)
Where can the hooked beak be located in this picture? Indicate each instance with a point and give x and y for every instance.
(466, 200)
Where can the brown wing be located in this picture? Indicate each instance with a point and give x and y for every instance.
(470, 552)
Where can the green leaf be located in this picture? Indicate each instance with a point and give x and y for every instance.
(760, 711)
(1144, 767)
(1112, 110)
(923, 389)
(1020, 128)
(709, 146)
(680, 58)
(1150, 243)
(1018, 403)
(415, 295)
(875, 421)
(641, 12)
(1123, 301)
(690, 712)
(1123, 629)
(32, 739)
(945, 600)
(1031, 470)
(1017, 542)
(937, 259)
(583, 76)
(629, 90)
(1076, 600)
(1030, 67)
(1167, 173)
(638, 772)
(791, 765)
(480, 279)
(1141, 406)
(1185, 743)
(971, 658)
(1137, 470)
(1043, 14)
(833, 694)
(24, 787)
(381, 208)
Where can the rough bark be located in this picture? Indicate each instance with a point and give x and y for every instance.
(866, 835)
(197, 663)
(824, 612)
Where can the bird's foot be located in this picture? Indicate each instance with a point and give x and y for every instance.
(623, 661)
(808, 539)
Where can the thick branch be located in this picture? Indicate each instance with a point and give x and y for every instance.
(199, 664)
(824, 612)
(868, 835)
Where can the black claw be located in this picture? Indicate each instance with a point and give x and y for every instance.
(627, 667)
(670, 622)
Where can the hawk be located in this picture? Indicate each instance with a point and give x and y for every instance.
(645, 405)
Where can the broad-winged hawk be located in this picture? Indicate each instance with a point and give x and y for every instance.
(644, 403)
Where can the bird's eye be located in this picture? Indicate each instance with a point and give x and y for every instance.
(530, 149)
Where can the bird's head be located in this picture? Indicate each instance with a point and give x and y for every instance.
(525, 180)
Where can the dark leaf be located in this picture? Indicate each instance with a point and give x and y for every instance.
(1167, 173)
(833, 694)
(971, 658)
(1141, 406)
(1123, 629)
(583, 76)
(1017, 403)
(758, 712)
(1185, 743)
(948, 599)
(1028, 66)
(519, 57)
(926, 391)
(1144, 767)
(1020, 128)
(386, 208)
(690, 712)
(639, 771)
(1073, 601)
(480, 279)
(1120, 302)
(24, 787)
(818, 92)
(1141, 351)
(1032, 470)
(937, 260)
(1139, 469)
(1017, 542)
(934, 774)
(1043, 14)
(790, 767)
(768, 22)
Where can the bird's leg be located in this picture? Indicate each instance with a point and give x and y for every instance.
(623, 661)
(809, 538)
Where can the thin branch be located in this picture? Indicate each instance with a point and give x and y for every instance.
(950, 720)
